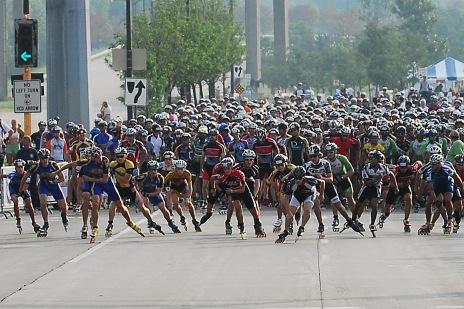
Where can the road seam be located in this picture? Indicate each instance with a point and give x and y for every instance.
(76, 258)
(319, 272)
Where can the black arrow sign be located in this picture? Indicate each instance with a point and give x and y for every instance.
(140, 86)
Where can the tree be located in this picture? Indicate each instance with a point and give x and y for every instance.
(187, 42)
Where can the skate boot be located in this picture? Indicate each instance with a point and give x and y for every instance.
(456, 221)
(299, 233)
(84, 232)
(290, 229)
(447, 228)
(183, 222)
(228, 228)
(77, 209)
(93, 234)
(407, 226)
(152, 227)
(282, 237)
(43, 231)
(173, 227)
(222, 210)
(18, 225)
(320, 231)
(196, 224)
(243, 233)
(359, 225)
(353, 225)
(277, 226)
(373, 229)
(109, 230)
(136, 228)
(36, 227)
(382, 219)
(424, 229)
(259, 231)
(335, 224)
(64, 220)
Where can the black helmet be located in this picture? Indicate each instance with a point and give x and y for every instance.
(299, 172)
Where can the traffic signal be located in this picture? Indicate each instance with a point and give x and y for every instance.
(25, 43)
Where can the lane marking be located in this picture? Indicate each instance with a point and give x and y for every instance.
(449, 307)
(17, 246)
(104, 243)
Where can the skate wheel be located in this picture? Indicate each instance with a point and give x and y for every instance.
(321, 236)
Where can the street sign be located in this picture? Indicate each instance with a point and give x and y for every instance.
(119, 59)
(239, 71)
(136, 92)
(27, 96)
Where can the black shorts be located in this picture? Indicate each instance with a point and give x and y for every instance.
(345, 184)
(368, 193)
(195, 168)
(220, 191)
(264, 170)
(331, 193)
(126, 194)
(392, 196)
(246, 197)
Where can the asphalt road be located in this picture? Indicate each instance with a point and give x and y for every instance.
(212, 270)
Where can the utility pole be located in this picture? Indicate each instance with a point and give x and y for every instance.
(3, 47)
(130, 111)
(232, 80)
(27, 75)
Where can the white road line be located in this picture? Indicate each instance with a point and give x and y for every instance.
(17, 246)
(103, 243)
(449, 307)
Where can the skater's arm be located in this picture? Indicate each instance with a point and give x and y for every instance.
(458, 181)
(322, 190)
(24, 179)
(65, 167)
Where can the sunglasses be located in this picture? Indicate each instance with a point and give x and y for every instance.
(313, 156)
(249, 159)
(120, 156)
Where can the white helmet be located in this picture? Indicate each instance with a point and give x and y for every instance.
(314, 150)
(131, 131)
(436, 158)
(248, 153)
(180, 164)
(435, 150)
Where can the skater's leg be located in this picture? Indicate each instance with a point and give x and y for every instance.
(238, 212)
(317, 211)
(448, 204)
(43, 207)
(338, 205)
(30, 209)
(190, 207)
(350, 200)
(119, 205)
(85, 207)
(431, 198)
(374, 205)
(96, 204)
(306, 213)
(14, 199)
(407, 205)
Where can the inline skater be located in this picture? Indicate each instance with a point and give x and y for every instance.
(372, 175)
(297, 146)
(14, 186)
(442, 178)
(123, 171)
(342, 170)
(281, 169)
(404, 173)
(320, 169)
(233, 183)
(48, 185)
(305, 190)
(151, 185)
(265, 149)
(178, 184)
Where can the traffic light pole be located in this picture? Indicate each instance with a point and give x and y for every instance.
(129, 50)
(27, 75)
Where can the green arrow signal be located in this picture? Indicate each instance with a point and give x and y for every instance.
(25, 56)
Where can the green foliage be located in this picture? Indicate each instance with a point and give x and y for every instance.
(398, 36)
(187, 42)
